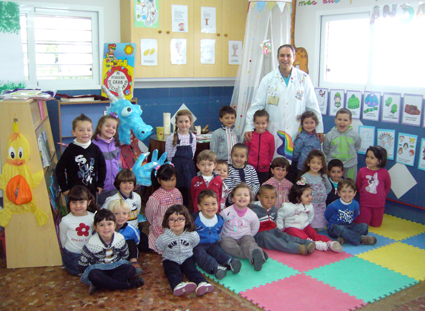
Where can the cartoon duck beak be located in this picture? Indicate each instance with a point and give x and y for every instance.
(17, 162)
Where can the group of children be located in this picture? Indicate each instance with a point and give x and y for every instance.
(226, 225)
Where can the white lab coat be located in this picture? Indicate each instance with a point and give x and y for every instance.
(293, 100)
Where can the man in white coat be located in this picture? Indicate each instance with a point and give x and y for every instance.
(285, 93)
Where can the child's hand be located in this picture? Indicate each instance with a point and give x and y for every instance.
(99, 190)
(321, 137)
(248, 136)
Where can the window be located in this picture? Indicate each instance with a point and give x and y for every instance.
(61, 48)
(386, 55)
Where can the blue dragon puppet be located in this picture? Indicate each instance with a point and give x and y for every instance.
(143, 171)
(130, 117)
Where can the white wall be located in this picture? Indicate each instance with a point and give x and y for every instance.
(111, 14)
(307, 24)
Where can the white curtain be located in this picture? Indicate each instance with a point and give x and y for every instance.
(269, 20)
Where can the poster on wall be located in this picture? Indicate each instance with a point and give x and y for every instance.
(208, 20)
(178, 51)
(336, 101)
(208, 51)
(118, 68)
(386, 139)
(179, 18)
(412, 110)
(149, 52)
(391, 103)
(421, 165)
(367, 134)
(354, 103)
(322, 98)
(235, 52)
(371, 106)
(406, 148)
(146, 13)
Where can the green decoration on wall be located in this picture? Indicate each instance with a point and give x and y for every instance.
(9, 85)
(388, 101)
(394, 108)
(353, 102)
(9, 17)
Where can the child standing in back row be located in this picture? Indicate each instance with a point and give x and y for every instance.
(315, 174)
(180, 149)
(374, 184)
(223, 139)
(307, 139)
(261, 146)
(106, 138)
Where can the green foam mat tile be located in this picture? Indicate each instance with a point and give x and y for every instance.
(362, 279)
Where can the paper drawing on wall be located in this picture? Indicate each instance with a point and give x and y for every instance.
(130, 118)
(337, 100)
(17, 181)
(146, 12)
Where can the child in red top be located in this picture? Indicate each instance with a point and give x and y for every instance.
(261, 146)
(206, 178)
(374, 184)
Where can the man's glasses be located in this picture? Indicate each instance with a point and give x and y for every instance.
(179, 220)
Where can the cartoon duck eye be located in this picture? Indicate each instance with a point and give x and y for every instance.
(126, 112)
(20, 152)
(12, 153)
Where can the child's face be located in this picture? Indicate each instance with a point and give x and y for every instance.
(309, 125)
(79, 208)
(176, 223)
(121, 215)
(267, 198)
(261, 124)
(223, 170)
(347, 194)
(105, 229)
(184, 123)
(208, 207)
(241, 198)
(108, 129)
(342, 122)
(83, 131)
(372, 162)
(206, 167)
(336, 173)
(126, 187)
(315, 165)
(228, 119)
(168, 184)
(306, 197)
(279, 173)
(239, 157)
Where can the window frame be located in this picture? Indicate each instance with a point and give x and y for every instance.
(96, 15)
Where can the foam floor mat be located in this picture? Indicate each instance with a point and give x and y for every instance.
(337, 281)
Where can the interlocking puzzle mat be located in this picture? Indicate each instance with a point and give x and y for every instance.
(337, 281)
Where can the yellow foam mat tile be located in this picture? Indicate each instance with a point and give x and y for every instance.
(399, 257)
(398, 229)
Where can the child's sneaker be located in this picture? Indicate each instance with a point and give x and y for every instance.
(257, 259)
(220, 273)
(321, 246)
(307, 249)
(341, 240)
(184, 288)
(335, 246)
(235, 265)
(204, 288)
(92, 289)
(136, 266)
(137, 282)
(368, 240)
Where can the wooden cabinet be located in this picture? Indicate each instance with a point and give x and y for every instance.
(28, 244)
(230, 24)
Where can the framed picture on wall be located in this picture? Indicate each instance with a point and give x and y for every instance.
(322, 98)
(406, 148)
(421, 165)
(371, 104)
(391, 103)
(336, 101)
(367, 134)
(412, 110)
(354, 99)
(386, 139)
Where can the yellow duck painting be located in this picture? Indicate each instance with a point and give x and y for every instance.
(17, 181)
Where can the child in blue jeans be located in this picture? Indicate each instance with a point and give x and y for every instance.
(209, 255)
(341, 213)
